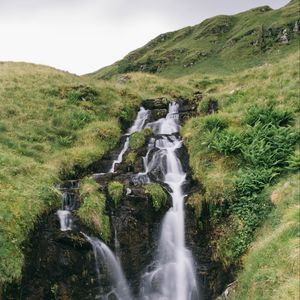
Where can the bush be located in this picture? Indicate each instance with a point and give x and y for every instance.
(127, 114)
(268, 115)
(157, 194)
(268, 145)
(130, 158)
(215, 122)
(227, 142)
(115, 191)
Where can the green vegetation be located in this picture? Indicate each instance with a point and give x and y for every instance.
(54, 124)
(157, 194)
(272, 266)
(92, 208)
(115, 191)
(136, 140)
(238, 154)
(219, 45)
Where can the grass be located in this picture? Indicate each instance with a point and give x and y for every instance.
(219, 45)
(238, 155)
(54, 124)
(92, 210)
(271, 268)
(115, 191)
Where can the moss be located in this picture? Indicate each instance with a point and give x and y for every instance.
(130, 158)
(92, 209)
(157, 195)
(115, 191)
(137, 140)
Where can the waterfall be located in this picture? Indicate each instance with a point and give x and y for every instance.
(106, 261)
(68, 205)
(172, 276)
(65, 219)
(138, 125)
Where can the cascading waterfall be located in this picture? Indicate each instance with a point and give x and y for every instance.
(106, 260)
(138, 125)
(68, 205)
(172, 276)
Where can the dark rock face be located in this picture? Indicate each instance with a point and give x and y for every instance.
(52, 269)
(137, 226)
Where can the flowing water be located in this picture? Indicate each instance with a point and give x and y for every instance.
(138, 125)
(107, 262)
(171, 276)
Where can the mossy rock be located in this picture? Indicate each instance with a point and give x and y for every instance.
(137, 140)
(91, 211)
(157, 195)
(115, 191)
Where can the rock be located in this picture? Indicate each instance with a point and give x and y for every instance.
(283, 37)
(124, 78)
(158, 103)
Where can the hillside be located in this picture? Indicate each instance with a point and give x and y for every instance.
(52, 126)
(243, 142)
(221, 44)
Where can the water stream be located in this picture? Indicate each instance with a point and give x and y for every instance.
(171, 276)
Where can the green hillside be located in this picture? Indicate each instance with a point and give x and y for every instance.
(52, 125)
(221, 44)
(246, 155)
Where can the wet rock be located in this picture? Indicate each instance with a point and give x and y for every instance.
(51, 268)
(137, 226)
(159, 103)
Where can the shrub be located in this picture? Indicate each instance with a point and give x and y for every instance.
(268, 114)
(268, 145)
(115, 191)
(127, 114)
(157, 195)
(227, 142)
(130, 158)
(215, 122)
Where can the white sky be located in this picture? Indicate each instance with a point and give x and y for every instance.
(81, 36)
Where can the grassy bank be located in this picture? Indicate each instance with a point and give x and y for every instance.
(238, 154)
(53, 124)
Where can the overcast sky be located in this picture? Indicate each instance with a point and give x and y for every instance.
(81, 36)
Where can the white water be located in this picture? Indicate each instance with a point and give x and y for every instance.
(138, 125)
(106, 260)
(65, 220)
(173, 276)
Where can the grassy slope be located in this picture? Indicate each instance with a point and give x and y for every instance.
(53, 123)
(221, 44)
(238, 203)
